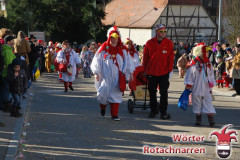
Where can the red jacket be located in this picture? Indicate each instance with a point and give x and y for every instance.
(158, 59)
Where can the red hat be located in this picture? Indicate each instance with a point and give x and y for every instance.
(40, 41)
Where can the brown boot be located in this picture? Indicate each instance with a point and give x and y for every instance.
(211, 120)
(198, 120)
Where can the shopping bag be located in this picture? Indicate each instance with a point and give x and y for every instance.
(183, 100)
(37, 74)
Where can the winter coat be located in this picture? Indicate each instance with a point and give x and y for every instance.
(22, 47)
(33, 55)
(1, 61)
(8, 57)
(17, 84)
(158, 58)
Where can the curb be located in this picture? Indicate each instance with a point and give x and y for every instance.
(14, 142)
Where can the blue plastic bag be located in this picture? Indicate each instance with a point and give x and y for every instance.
(183, 100)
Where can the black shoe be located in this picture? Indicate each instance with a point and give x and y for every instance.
(15, 113)
(103, 112)
(71, 87)
(151, 115)
(65, 90)
(165, 116)
(116, 118)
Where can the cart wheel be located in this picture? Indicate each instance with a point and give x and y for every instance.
(130, 106)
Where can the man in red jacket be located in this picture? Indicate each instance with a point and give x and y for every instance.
(158, 62)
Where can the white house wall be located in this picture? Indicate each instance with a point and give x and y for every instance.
(139, 36)
(181, 30)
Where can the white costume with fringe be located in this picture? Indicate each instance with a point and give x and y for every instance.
(73, 60)
(108, 85)
(199, 76)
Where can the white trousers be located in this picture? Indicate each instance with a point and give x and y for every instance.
(202, 104)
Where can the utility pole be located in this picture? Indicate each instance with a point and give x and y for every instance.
(220, 22)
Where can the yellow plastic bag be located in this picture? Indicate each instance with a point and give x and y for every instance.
(37, 74)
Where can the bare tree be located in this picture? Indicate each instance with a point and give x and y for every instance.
(231, 14)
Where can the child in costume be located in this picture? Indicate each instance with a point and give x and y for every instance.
(182, 65)
(200, 79)
(48, 61)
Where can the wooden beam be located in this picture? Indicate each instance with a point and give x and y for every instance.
(192, 16)
(198, 17)
(194, 35)
(189, 35)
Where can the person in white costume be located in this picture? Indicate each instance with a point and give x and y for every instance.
(132, 52)
(200, 79)
(68, 56)
(108, 60)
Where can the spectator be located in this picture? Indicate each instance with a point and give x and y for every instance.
(33, 56)
(3, 33)
(8, 56)
(236, 72)
(182, 65)
(21, 46)
(1, 82)
(18, 84)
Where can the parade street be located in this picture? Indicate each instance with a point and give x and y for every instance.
(68, 126)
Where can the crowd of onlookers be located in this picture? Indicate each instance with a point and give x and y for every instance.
(23, 59)
(224, 58)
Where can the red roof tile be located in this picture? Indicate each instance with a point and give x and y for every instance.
(138, 13)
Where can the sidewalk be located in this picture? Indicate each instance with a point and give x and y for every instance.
(11, 133)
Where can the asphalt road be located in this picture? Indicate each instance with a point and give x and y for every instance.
(68, 126)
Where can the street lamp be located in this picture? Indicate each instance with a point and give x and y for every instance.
(220, 22)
